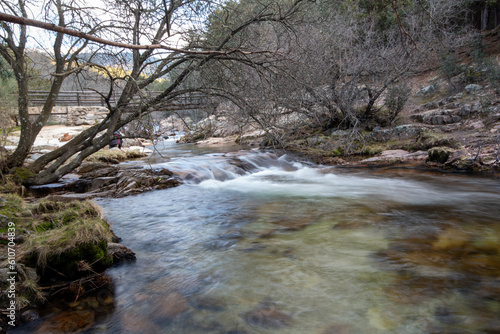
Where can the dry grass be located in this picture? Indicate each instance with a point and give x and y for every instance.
(63, 227)
(115, 156)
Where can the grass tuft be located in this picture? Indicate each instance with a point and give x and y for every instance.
(74, 227)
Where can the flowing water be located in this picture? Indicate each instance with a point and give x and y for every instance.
(254, 242)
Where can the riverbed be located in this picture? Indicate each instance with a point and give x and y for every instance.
(262, 242)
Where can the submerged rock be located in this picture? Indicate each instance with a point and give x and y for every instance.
(415, 290)
(169, 306)
(208, 303)
(446, 316)
(67, 322)
(489, 289)
(451, 238)
(133, 323)
(267, 318)
(337, 329)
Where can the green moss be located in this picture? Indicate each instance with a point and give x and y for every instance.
(373, 149)
(94, 255)
(11, 207)
(21, 174)
(339, 151)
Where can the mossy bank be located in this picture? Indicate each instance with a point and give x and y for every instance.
(55, 244)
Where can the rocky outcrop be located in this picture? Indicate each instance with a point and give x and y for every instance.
(439, 117)
(98, 179)
(399, 132)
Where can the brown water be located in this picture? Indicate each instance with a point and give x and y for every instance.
(254, 243)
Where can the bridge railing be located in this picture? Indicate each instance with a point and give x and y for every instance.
(37, 98)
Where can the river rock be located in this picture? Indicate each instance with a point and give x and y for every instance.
(268, 318)
(337, 329)
(416, 289)
(446, 316)
(481, 264)
(489, 288)
(184, 284)
(451, 238)
(88, 167)
(67, 322)
(294, 224)
(208, 303)
(390, 155)
(382, 319)
(169, 306)
(134, 323)
(120, 253)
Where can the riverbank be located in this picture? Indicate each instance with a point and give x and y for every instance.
(52, 248)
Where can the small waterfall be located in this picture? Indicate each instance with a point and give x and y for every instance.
(226, 166)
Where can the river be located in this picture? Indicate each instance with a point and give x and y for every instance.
(257, 242)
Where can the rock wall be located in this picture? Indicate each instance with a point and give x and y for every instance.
(72, 116)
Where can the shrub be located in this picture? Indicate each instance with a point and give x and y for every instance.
(397, 96)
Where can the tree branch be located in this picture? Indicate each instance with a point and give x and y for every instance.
(52, 27)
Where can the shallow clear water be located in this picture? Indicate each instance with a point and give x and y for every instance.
(256, 243)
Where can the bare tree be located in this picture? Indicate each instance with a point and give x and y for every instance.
(146, 28)
(64, 54)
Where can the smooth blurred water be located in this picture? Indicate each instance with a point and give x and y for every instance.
(254, 242)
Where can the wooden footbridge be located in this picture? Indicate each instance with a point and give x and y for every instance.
(190, 101)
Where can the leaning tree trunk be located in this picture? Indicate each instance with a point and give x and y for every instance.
(484, 18)
(27, 138)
